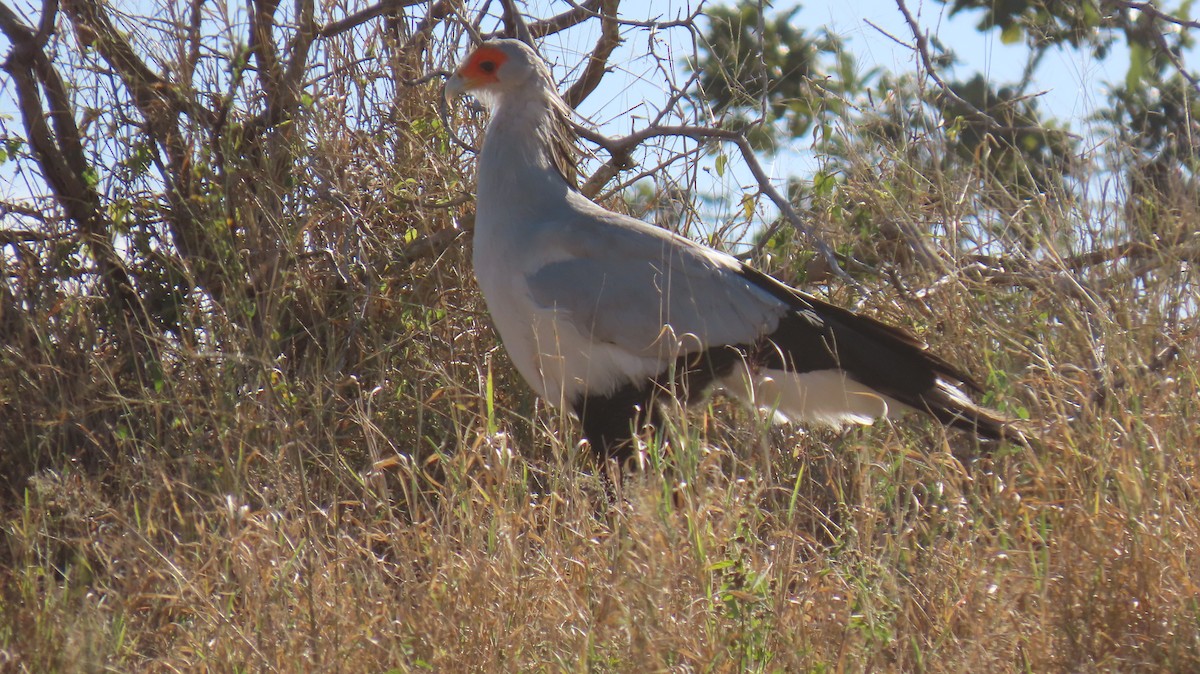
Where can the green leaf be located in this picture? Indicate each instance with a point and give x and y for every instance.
(722, 160)
(823, 184)
(490, 401)
(9, 147)
(1012, 34)
(1139, 58)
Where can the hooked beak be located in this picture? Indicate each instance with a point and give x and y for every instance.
(460, 83)
(455, 86)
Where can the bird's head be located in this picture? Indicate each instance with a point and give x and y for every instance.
(495, 68)
(510, 74)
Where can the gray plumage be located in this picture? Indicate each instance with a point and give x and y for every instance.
(599, 310)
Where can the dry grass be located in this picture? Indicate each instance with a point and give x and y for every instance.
(867, 557)
(373, 489)
(295, 532)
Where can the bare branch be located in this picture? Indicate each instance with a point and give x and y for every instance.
(301, 43)
(157, 102)
(46, 25)
(437, 243)
(1156, 13)
(687, 22)
(621, 149)
(610, 37)
(572, 17)
(440, 10)
(1160, 41)
(364, 15)
(58, 148)
(160, 105)
(1131, 251)
(514, 23)
(7, 207)
(195, 21)
(973, 115)
(262, 45)
(615, 163)
(556, 24)
(630, 181)
(11, 236)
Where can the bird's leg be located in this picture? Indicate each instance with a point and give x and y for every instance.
(611, 425)
(611, 422)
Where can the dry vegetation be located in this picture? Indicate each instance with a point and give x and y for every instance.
(298, 446)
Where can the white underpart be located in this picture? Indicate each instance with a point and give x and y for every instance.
(547, 348)
(826, 397)
(562, 364)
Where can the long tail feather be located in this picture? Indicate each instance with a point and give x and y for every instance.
(817, 339)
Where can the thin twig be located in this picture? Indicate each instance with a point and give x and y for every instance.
(616, 164)
(11, 236)
(888, 35)
(689, 22)
(7, 207)
(597, 65)
(973, 114)
(622, 147)
(647, 173)
(1161, 42)
(1156, 13)
(428, 77)
(556, 24)
(362, 16)
(436, 243)
(444, 113)
(514, 23)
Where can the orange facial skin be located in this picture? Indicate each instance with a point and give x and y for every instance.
(481, 67)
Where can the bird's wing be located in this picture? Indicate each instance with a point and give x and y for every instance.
(623, 282)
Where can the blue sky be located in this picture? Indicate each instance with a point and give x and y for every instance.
(1073, 81)
(1074, 84)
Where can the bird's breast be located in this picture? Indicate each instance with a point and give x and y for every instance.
(558, 361)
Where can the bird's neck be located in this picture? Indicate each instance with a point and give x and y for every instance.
(521, 158)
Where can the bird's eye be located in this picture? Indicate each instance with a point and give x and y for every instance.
(488, 66)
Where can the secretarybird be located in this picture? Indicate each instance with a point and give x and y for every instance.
(601, 313)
